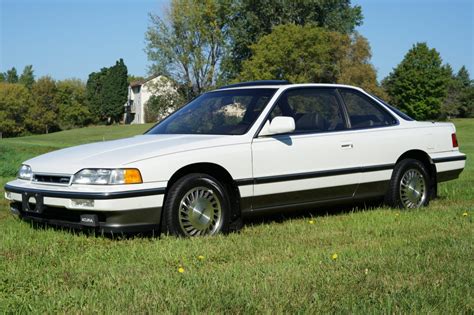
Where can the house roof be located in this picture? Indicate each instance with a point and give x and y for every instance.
(141, 82)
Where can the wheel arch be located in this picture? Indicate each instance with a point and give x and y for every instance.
(218, 172)
(424, 158)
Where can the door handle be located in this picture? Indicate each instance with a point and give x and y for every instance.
(347, 145)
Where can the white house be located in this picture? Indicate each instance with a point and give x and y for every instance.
(139, 92)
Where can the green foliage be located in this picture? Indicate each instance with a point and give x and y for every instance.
(307, 53)
(390, 261)
(450, 106)
(253, 19)
(27, 78)
(2, 77)
(189, 45)
(73, 111)
(44, 112)
(106, 92)
(467, 102)
(296, 53)
(15, 100)
(45, 105)
(157, 107)
(94, 95)
(115, 91)
(355, 67)
(203, 43)
(418, 85)
(466, 93)
(12, 76)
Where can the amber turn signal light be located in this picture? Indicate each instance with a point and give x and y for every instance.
(132, 176)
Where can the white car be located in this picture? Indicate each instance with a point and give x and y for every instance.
(243, 149)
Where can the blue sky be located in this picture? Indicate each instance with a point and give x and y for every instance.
(71, 38)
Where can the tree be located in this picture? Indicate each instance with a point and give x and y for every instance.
(466, 94)
(71, 99)
(463, 77)
(27, 78)
(418, 85)
(12, 76)
(311, 54)
(43, 114)
(355, 67)
(467, 102)
(2, 77)
(94, 95)
(450, 105)
(115, 92)
(189, 45)
(106, 92)
(15, 101)
(253, 19)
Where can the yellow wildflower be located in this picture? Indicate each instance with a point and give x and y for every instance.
(464, 214)
(311, 221)
(201, 257)
(334, 256)
(180, 269)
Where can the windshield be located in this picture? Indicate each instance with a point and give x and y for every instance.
(230, 112)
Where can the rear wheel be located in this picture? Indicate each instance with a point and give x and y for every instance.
(196, 205)
(410, 185)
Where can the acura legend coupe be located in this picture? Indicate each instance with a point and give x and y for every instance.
(243, 149)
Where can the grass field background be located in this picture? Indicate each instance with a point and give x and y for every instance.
(418, 261)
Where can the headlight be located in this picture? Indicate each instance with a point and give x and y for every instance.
(108, 176)
(25, 172)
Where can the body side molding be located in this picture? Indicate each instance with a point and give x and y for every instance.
(87, 195)
(297, 176)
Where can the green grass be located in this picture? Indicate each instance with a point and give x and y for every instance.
(388, 261)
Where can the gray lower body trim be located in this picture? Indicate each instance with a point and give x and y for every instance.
(128, 221)
(448, 175)
(314, 197)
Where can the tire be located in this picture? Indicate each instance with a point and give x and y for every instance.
(410, 186)
(196, 205)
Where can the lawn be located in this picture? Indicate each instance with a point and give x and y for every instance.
(388, 261)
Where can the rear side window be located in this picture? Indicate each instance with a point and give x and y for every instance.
(364, 112)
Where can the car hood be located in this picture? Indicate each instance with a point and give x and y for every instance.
(120, 153)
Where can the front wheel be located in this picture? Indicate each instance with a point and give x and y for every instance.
(196, 205)
(410, 185)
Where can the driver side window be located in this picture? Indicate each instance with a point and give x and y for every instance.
(313, 109)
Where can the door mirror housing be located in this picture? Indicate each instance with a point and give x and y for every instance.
(278, 125)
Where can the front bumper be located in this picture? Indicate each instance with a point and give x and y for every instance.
(125, 211)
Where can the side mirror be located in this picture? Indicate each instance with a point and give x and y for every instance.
(278, 125)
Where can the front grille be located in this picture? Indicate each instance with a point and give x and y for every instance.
(52, 179)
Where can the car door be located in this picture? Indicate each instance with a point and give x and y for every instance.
(315, 162)
(376, 141)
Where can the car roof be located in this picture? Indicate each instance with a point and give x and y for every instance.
(280, 84)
